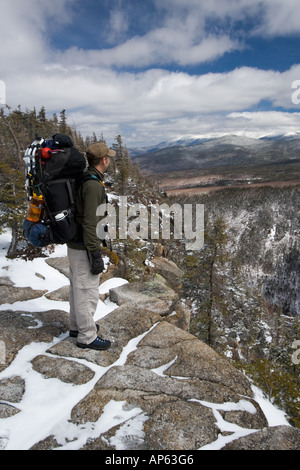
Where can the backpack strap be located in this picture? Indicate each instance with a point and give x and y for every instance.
(79, 187)
(88, 177)
(93, 177)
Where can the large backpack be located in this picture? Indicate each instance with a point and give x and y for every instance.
(54, 169)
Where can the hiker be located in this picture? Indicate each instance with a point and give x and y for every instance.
(85, 255)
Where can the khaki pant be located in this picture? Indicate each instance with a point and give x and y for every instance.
(83, 296)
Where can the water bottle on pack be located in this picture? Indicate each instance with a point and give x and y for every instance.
(35, 208)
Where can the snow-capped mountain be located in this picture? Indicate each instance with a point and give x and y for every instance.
(196, 152)
(229, 139)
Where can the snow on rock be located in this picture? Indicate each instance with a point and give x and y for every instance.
(157, 387)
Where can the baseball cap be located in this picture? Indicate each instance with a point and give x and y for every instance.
(99, 150)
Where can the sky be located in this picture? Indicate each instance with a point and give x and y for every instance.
(155, 70)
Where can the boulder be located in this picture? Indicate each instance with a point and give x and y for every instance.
(169, 270)
(62, 369)
(151, 295)
(120, 326)
(272, 438)
(61, 264)
(177, 392)
(59, 295)
(18, 329)
(166, 377)
(180, 317)
(10, 294)
(12, 389)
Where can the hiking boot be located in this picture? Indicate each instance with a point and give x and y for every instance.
(98, 344)
(74, 333)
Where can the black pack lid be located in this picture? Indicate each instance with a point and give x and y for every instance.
(62, 141)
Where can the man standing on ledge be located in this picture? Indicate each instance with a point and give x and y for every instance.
(85, 255)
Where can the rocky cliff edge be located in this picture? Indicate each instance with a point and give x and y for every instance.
(157, 388)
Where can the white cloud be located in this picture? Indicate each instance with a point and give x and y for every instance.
(129, 100)
(185, 34)
(24, 31)
(279, 18)
(270, 17)
(155, 104)
(118, 24)
(162, 46)
(253, 125)
(155, 90)
(258, 124)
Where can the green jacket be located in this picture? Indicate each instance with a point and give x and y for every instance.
(90, 195)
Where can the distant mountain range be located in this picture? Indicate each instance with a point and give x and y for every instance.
(230, 150)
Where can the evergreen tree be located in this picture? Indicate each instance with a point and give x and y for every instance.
(94, 139)
(55, 123)
(123, 164)
(63, 128)
(18, 129)
(12, 190)
(41, 117)
(204, 282)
